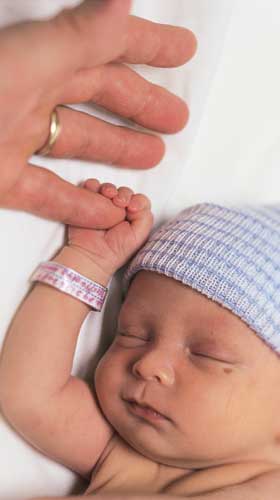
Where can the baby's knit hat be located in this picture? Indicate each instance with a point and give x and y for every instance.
(230, 254)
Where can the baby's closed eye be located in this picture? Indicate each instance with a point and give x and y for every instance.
(207, 356)
(210, 353)
(199, 352)
(130, 339)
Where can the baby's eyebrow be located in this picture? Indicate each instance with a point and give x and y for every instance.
(210, 343)
(221, 339)
(129, 324)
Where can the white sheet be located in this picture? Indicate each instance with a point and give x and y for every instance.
(229, 152)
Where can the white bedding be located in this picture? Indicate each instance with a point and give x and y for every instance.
(229, 152)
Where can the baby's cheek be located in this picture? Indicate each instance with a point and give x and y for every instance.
(107, 376)
(101, 374)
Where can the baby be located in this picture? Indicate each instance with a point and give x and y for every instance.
(186, 401)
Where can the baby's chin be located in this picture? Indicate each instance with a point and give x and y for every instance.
(151, 448)
(154, 448)
(153, 454)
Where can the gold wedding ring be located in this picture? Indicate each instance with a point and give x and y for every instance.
(55, 128)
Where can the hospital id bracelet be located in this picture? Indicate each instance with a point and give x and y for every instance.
(71, 282)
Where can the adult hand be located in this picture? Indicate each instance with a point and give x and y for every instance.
(74, 57)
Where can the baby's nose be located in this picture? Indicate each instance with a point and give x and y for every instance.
(155, 366)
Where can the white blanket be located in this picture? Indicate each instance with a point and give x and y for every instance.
(229, 152)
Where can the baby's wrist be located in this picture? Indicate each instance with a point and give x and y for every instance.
(81, 261)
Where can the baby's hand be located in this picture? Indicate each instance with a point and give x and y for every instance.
(110, 249)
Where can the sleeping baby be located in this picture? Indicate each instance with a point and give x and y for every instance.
(186, 401)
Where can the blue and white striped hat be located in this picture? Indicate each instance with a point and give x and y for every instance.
(230, 254)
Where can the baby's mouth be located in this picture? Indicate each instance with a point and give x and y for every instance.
(145, 411)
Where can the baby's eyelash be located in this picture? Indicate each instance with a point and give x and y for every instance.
(202, 355)
(132, 337)
(121, 334)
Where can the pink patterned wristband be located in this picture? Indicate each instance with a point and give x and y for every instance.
(71, 282)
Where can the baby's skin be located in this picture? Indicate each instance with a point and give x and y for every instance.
(213, 431)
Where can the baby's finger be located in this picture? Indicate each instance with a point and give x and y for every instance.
(138, 202)
(92, 185)
(123, 197)
(108, 190)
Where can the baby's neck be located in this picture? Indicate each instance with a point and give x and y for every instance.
(204, 481)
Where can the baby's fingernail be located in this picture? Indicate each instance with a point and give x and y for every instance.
(122, 200)
(110, 191)
(135, 205)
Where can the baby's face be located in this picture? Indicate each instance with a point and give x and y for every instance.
(198, 364)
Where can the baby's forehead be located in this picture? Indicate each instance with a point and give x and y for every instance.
(164, 299)
(164, 304)
(149, 291)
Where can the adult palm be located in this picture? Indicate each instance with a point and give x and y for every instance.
(78, 56)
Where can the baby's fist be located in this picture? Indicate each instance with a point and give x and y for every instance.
(110, 249)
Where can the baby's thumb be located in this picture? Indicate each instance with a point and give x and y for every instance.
(141, 224)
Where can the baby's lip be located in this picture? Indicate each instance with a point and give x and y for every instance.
(144, 404)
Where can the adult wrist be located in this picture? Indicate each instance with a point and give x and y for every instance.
(80, 261)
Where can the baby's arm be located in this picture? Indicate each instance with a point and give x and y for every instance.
(53, 410)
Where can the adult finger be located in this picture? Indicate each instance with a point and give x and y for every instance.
(45, 194)
(157, 44)
(121, 90)
(89, 35)
(88, 138)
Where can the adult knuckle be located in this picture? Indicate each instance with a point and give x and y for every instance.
(83, 149)
(153, 48)
(69, 21)
(33, 194)
(145, 102)
(71, 26)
